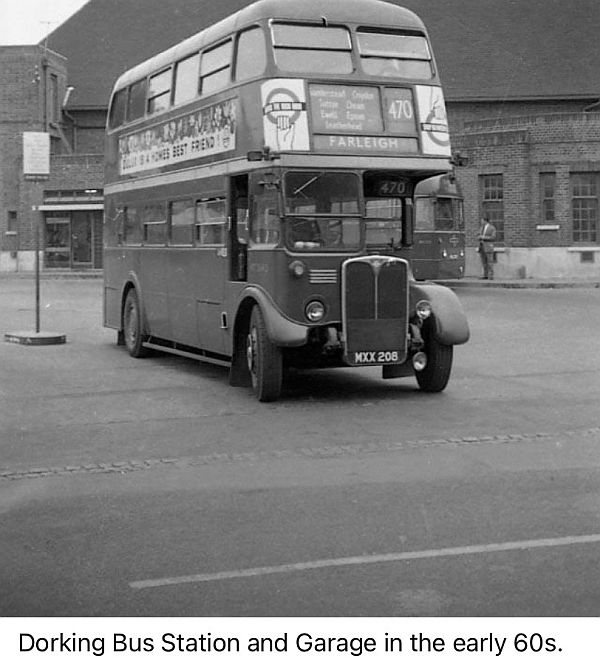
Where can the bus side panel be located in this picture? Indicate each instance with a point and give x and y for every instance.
(113, 284)
(196, 285)
(153, 277)
(117, 266)
(425, 255)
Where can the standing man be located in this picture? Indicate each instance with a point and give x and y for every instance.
(487, 235)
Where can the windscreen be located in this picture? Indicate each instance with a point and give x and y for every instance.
(384, 219)
(322, 211)
(438, 214)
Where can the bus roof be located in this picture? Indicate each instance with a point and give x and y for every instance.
(362, 12)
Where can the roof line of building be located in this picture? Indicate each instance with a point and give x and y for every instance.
(546, 97)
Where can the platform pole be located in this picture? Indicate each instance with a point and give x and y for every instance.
(37, 274)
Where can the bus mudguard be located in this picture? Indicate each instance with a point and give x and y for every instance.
(450, 322)
(132, 281)
(282, 331)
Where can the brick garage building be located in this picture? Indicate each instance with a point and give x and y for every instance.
(522, 105)
(537, 178)
(68, 206)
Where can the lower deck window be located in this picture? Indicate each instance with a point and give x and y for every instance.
(182, 222)
(155, 232)
(210, 221)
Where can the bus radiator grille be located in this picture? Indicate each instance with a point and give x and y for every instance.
(375, 308)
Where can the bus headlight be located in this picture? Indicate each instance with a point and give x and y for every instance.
(423, 309)
(314, 311)
(419, 361)
(297, 268)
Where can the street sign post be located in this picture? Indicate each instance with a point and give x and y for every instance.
(36, 168)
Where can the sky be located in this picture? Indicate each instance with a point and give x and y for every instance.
(24, 22)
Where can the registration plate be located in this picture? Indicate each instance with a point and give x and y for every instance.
(375, 357)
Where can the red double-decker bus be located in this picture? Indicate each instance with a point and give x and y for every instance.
(439, 242)
(258, 196)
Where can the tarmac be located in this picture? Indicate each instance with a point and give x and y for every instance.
(465, 282)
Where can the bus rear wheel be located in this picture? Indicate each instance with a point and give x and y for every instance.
(434, 377)
(265, 361)
(132, 326)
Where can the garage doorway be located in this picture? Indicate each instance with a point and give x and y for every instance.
(69, 240)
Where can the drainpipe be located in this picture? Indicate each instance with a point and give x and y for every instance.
(70, 148)
(45, 93)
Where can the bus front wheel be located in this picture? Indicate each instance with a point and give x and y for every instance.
(265, 361)
(132, 326)
(434, 377)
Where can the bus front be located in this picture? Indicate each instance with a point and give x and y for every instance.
(331, 213)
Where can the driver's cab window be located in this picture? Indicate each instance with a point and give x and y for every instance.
(384, 217)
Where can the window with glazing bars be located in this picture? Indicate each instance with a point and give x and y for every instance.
(215, 68)
(584, 202)
(210, 221)
(159, 92)
(547, 190)
(491, 190)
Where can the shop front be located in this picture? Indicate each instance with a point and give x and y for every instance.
(72, 235)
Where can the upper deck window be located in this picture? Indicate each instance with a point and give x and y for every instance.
(187, 72)
(137, 100)
(251, 58)
(394, 55)
(159, 92)
(215, 68)
(116, 116)
(312, 48)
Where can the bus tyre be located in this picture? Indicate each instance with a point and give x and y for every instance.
(132, 326)
(265, 361)
(434, 377)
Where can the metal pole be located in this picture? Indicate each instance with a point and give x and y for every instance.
(37, 275)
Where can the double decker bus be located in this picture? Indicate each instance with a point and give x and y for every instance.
(439, 242)
(258, 210)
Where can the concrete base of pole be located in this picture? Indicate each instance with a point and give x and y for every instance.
(35, 338)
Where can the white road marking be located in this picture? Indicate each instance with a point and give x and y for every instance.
(551, 542)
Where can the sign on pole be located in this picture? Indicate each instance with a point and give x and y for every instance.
(36, 167)
(36, 155)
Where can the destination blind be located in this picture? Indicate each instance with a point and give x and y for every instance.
(362, 118)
